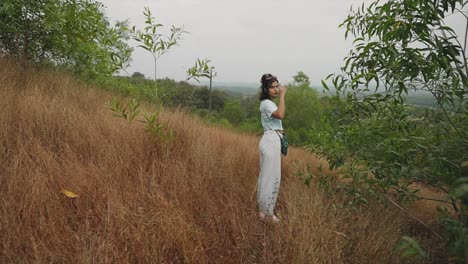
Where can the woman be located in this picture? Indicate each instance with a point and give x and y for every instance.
(270, 146)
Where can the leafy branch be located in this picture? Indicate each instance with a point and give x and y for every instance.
(154, 42)
(202, 68)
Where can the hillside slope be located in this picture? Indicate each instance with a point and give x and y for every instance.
(143, 201)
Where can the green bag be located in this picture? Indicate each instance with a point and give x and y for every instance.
(284, 144)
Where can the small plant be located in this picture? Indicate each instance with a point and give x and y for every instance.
(325, 182)
(130, 112)
(154, 127)
(306, 175)
(154, 42)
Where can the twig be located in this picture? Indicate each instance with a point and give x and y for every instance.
(406, 211)
(339, 233)
(432, 199)
(254, 191)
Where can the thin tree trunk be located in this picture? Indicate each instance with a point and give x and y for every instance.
(209, 104)
(155, 82)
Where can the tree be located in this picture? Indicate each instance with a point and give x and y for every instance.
(233, 112)
(201, 97)
(71, 34)
(403, 46)
(304, 110)
(301, 79)
(202, 69)
(138, 75)
(154, 42)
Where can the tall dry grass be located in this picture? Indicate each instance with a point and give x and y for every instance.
(141, 201)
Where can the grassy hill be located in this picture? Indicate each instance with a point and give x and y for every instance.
(141, 200)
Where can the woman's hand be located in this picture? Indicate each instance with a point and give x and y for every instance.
(282, 90)
(279, 114)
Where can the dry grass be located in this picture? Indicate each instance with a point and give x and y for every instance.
(141, 201)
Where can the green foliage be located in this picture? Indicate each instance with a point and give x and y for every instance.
(301, 79)
(326, 183)
(456, 228)
(157, 129)
(202, 95)
(130, 111)
(203, 69)
(175, 94)
(71, 34)
(251, 125)
(304, 111)
(306, 175)
(251, 106)
(138, 75)
(155, 42)
(233, 112)
(239, 113)
(456, 232)
(375, 138)
(224, 123)
(410, 248)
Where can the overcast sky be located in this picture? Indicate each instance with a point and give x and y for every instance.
(244, 38)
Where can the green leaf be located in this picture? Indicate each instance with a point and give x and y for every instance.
(410, 248)
(325, 86)
(461, 190)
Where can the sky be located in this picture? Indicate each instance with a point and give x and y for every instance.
(244, 39)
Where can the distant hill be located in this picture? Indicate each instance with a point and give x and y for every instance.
(234, 88)
(419, 98)
(250, 89)
(241, 88)
(238, 88)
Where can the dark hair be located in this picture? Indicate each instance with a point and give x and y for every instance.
(267, 80)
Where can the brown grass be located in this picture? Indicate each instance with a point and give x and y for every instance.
(141, 201)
